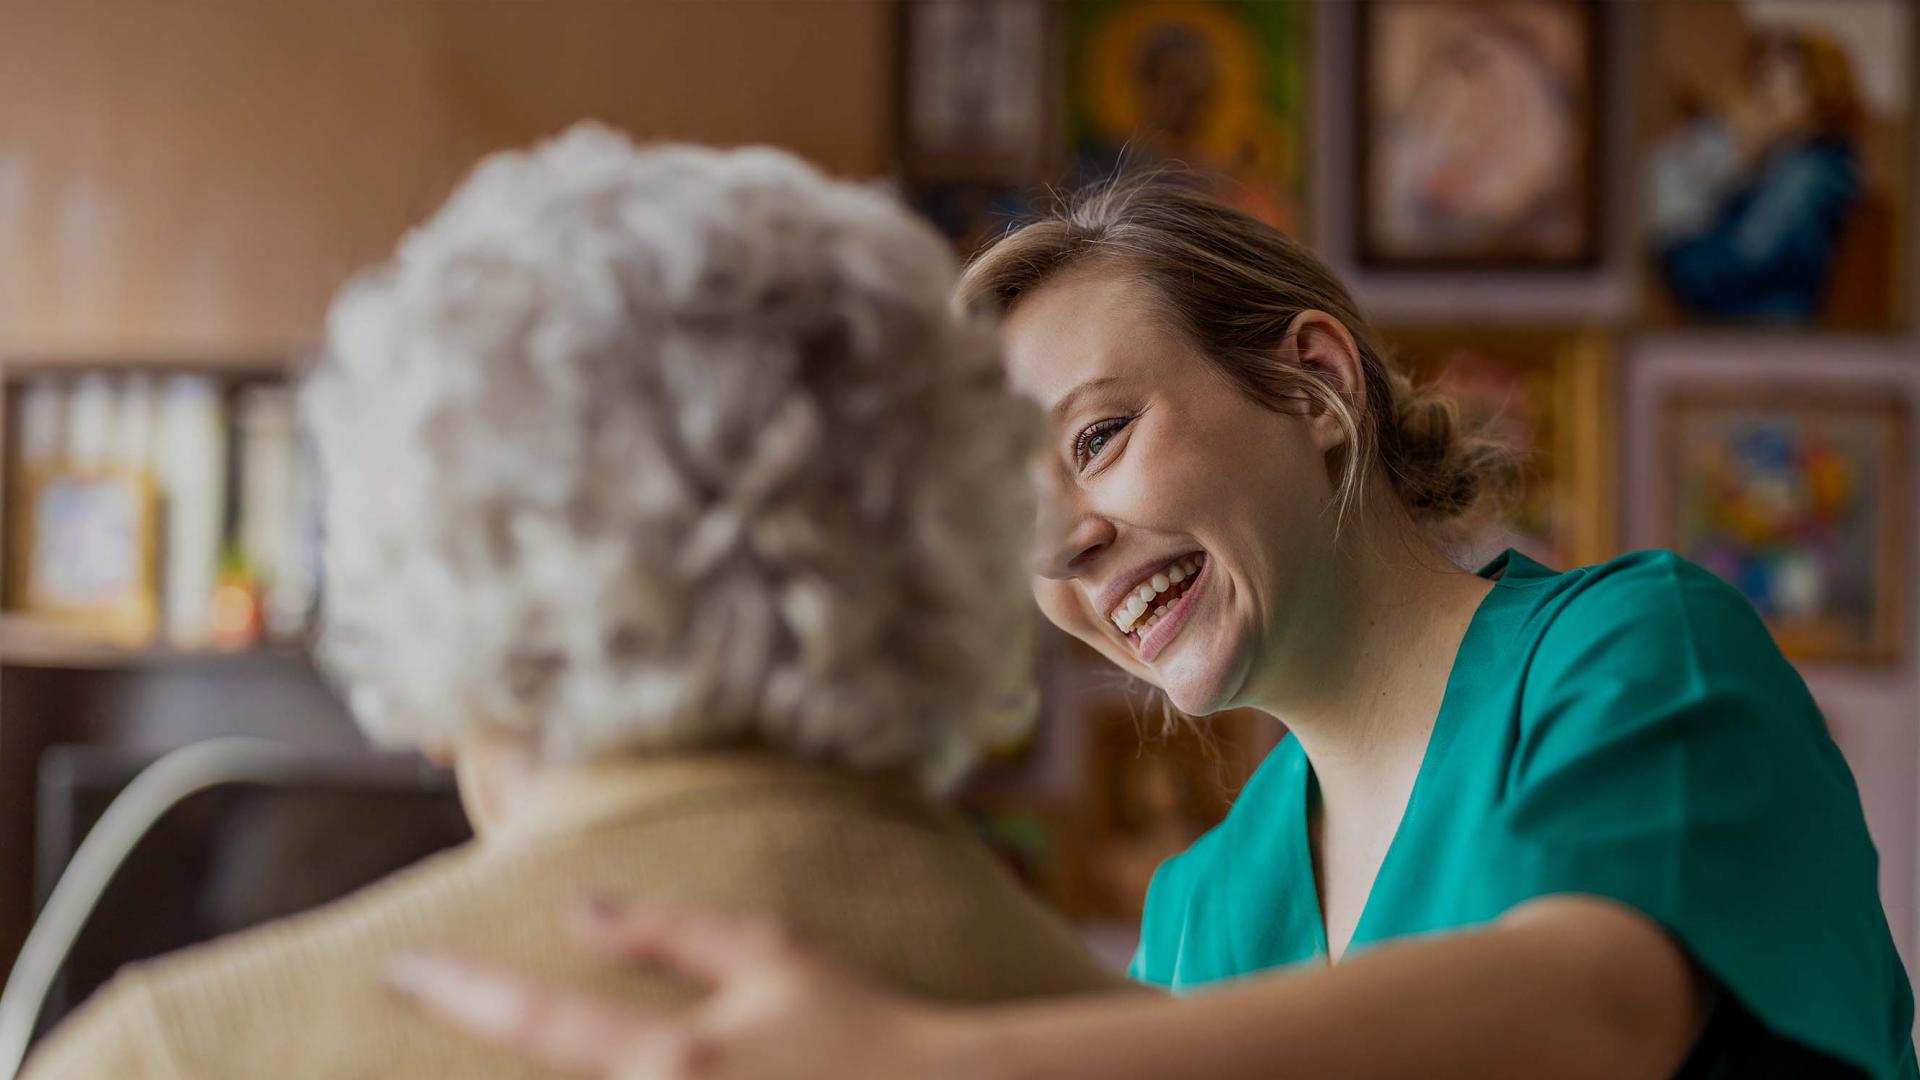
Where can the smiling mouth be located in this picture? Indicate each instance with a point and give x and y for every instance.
(1155, 595)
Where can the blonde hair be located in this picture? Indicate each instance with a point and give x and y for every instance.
(1234, 285)
(641, 449)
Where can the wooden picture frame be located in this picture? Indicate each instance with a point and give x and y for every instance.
(88, 550)
(1554, 393)
(1809, 516)
(975, 89)
(975, 121)
(1405, 168)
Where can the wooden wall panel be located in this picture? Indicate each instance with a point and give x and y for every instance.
(195, 177)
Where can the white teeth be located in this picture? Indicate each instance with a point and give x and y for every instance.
(1128, 615)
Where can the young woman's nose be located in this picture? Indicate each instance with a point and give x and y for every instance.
(1067, 537)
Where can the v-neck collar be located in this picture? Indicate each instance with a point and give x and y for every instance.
(1510, 567)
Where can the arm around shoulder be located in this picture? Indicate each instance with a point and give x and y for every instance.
(1568, 987)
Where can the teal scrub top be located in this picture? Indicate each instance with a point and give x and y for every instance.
(1627, 730)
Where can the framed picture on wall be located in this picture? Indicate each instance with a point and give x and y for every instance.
(1478, 134)
(978, 94)
(1776, 162)
(976, 89)
(1798, 496)
(1217, 93)
(1548, 395)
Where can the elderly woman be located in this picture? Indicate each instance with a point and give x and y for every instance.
(669, 501)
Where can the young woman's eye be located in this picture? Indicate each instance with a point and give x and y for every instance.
(1094, 438)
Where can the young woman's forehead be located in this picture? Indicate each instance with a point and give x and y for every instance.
(1087, 327)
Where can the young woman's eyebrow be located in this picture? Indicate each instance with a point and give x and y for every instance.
(1065, 406)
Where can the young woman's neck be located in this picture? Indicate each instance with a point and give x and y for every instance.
(1360, 683)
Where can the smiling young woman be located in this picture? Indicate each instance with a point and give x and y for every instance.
(1525, 822)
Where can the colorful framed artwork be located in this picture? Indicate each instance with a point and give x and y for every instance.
(91, 554)
(976, 89)
(1776, 165)
(1798, 496)
(1478, 141)
(1549, 395)
(1215, 91)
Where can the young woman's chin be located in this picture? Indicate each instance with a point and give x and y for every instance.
(1201, 675)
(1196, 690)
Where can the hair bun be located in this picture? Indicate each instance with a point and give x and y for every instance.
(1443, 466)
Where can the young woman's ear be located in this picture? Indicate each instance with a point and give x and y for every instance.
(1322, 343)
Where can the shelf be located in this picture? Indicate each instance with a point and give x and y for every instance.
(245, 364)
(26, 641)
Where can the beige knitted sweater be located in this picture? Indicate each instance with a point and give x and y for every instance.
(864, 869)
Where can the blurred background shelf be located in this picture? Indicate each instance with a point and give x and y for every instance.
(30, 642)
(26, 362)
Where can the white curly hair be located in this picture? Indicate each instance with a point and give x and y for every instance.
(639, 449)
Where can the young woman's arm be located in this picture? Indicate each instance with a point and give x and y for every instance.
(1565, 987)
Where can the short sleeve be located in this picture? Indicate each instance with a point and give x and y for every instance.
(1171, 899)
(1666, 756)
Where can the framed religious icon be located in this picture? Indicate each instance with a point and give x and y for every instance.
(1478, 133)
(89, 543)
(1214, 92)
(1547, 395)
(1799, 497)
(1776, 162)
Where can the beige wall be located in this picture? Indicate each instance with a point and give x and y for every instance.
(187, 178)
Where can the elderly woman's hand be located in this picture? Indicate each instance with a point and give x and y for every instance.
(772, 1011)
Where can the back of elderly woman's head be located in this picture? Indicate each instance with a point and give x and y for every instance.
(637, 450)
